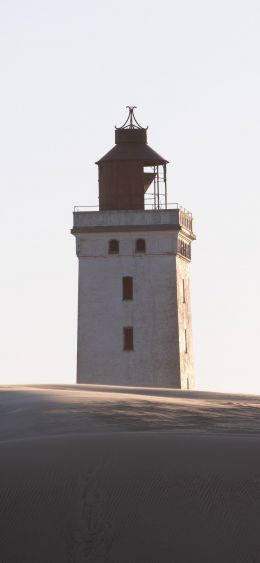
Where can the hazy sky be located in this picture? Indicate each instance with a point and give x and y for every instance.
(68, 69)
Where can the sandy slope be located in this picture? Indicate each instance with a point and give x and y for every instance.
(102, 474)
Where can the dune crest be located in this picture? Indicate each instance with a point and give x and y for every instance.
(95, 473)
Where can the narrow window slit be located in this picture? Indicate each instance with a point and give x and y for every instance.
(128, 338)
(186, 343)
(127, 288)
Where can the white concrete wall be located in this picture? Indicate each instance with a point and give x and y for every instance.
(157, 312)
(185, 323)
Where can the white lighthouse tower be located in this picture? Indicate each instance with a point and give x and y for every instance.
(134, 309)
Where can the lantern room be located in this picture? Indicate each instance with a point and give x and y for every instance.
(132, 175)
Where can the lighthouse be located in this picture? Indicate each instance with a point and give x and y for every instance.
(134, 306)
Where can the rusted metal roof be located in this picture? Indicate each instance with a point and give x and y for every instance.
(134, 151)
(131, 144)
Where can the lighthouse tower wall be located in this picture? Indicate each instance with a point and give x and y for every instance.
(158, 311)
(184, 323)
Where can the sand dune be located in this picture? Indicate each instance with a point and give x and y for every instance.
(103, 474)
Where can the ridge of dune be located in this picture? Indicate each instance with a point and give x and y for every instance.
(33, 410)
(98, 473)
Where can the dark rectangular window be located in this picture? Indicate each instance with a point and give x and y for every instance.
(127, 288)
(128, 338)
(113, 246)
(140, 245)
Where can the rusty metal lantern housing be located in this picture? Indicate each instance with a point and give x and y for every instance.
(123, 180)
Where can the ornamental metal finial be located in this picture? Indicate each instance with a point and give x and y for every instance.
(131, 122)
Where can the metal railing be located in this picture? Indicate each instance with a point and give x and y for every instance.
(186, 219)
(85, 208)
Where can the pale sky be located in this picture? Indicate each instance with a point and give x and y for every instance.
(68, 69)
